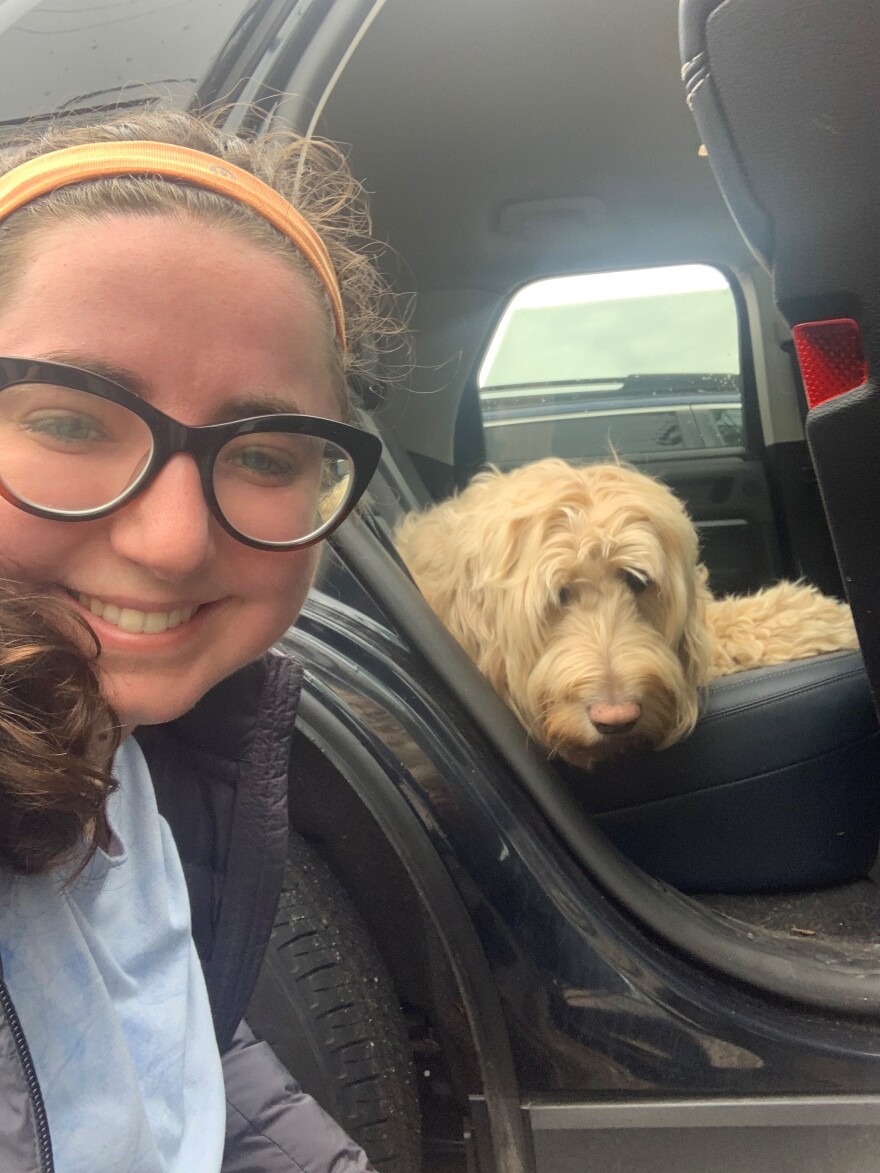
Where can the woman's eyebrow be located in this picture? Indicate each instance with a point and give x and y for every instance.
(237, 407)
(95, 366)
(245, 406)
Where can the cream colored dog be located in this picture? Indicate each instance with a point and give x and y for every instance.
(578, 591)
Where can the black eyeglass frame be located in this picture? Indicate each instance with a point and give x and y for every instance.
(202, 443)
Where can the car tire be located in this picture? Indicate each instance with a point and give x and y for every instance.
(325, 1004)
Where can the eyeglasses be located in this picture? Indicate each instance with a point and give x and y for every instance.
(75, 446)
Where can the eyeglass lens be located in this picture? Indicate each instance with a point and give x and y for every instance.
(72, 452)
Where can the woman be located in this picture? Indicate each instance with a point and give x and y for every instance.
(173, 446)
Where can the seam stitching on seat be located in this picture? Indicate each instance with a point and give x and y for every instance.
(758, 702)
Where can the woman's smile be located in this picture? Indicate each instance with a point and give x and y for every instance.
(137, 620)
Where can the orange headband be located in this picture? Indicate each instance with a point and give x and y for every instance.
(45, 173)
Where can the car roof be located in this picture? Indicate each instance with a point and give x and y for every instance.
(457, 111)
(507, 141)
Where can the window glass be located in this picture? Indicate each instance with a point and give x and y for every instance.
(644, 362)
(87, 57)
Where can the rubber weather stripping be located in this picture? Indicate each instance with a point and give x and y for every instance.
(44, 1143)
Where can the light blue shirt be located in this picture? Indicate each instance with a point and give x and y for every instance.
(110, 994)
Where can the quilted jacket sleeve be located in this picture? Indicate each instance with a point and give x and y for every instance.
(274, 1127)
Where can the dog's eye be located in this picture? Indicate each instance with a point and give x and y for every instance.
(565, 596)
(636, 582)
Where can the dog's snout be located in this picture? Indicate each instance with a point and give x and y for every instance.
(613, 719)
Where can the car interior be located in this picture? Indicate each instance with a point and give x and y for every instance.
(638, 229)
(503, 149)
(576, 284)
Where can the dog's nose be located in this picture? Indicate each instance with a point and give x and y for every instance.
(613, 719)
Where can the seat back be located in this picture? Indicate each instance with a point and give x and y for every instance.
(786, 95)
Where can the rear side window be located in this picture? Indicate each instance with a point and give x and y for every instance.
(644, 362)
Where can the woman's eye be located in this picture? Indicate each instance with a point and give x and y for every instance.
(636, 581)
(264, 464)
(64, 427)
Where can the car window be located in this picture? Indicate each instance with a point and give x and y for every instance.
(86, 57)
(644, 362)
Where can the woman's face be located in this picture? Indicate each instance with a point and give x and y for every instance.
(206, 326)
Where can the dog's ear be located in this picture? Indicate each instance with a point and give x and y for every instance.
(458, 552)
(695, 649)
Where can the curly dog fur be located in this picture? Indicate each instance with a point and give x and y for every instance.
(579, 593)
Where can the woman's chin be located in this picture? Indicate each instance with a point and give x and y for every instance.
(141, 702)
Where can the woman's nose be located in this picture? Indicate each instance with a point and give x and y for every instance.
(168, 527)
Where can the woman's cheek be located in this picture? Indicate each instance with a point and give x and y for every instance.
(283, 582)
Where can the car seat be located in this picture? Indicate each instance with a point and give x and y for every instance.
(777, 788)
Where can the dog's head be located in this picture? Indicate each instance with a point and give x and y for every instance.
(578, 592)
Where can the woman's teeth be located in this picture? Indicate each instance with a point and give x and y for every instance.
(133, 621)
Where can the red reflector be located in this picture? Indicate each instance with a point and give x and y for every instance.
(831, 358)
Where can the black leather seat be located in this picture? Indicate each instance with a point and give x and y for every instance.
(777, 788)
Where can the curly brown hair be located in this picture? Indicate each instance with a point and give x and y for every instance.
(57, 735)
(311, 174)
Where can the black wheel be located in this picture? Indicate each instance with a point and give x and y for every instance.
(325, 1004)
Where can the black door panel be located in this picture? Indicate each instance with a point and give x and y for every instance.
(728, 498)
